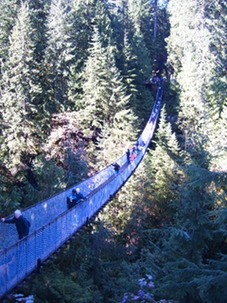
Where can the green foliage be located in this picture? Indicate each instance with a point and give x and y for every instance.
(39, 9)
(83, 16)
(72, 97)
(217, 25)
(20, 95)
(190, 259)
(59, 55)
(91, 258)
(118, 130)
(196, 53)
(163, 173)
(143, 70)
(42, 171)
(8, 12)
(103, 22)
(10, 191)
(134, 75)
(95, 88)
(104, 103)
(57, 286)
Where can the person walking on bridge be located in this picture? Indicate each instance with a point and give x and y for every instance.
(22, 224)
(74, 198)
(79, 196)
(128, 155)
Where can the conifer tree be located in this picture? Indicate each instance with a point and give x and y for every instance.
(199, 70)
(163, 172)
(8, 13)
(39, 19)
(143, 68)
(141, 14)
(20, 101)
(134, 47)
(216, 145)
(197, 62)
(129, 69)
(86, 16)
(192, 253)
(58, 55)
(103, 22)
(104, 102)
(119, 129)
(217, 25)
(10, 189)
(216, 112)
(95, 88)
(82, 23)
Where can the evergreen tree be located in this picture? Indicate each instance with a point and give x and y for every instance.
(217, 24)
(193, 248)
(197, 65)
(119, 128)
(103, 22)
(215, 145)
(158, 47)
(59, 55)
(141, 60)
(8, 13)
(95, 102)
(143, 68)
(199, 69)
(20, 101)
(105, 102)
(10, 189)
(83, 19)
(216, 117)
(39, 19)
(129, 70)
(163, 173)
(86, 16)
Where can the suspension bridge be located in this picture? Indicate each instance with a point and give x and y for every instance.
(52, 224)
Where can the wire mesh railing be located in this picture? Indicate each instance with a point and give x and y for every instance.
(53, 223)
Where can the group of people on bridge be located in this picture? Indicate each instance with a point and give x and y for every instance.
(23, 225)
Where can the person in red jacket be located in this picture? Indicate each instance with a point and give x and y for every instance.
(22, 224)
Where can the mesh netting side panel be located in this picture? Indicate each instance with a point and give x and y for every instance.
(4, 264)
(31, 253)
(10, 268)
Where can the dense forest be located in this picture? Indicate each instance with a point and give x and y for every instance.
(73, 98)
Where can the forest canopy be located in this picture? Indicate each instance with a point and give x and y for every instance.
(73, 98)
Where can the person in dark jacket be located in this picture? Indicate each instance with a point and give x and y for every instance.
(71, 199)
(128, 155)
(74, 198)
(79, 196)
(116, 167)
(22, 224)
